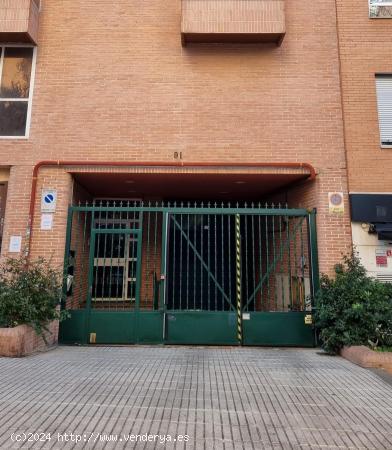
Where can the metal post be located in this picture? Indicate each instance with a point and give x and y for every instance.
(90, 287)
(162, 282)
(313, 253)
(313, 259)
(66, 256)
(138, 284)
(238, 276)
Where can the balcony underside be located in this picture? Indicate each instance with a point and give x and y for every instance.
(233, 21)
(16, 38)
(232, 38)
(19, 21)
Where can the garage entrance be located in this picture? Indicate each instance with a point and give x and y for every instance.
(190, 273)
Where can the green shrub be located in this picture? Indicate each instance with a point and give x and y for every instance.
(29, 294)
(353, 309)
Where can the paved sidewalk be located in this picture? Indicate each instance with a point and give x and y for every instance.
(223, 398)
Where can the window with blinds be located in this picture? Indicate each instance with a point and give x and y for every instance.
(384, 102)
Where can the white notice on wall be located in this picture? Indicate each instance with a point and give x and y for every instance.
(15, 244)
(46, 221)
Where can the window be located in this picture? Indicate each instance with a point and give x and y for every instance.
(16, 85)
(384, 101)
(380, 9)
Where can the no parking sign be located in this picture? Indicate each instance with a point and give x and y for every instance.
(48, 200)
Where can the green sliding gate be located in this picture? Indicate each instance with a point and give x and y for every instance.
(182, 273)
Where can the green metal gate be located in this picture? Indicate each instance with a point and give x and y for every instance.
(184, 273)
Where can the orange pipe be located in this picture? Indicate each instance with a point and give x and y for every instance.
(312, 173)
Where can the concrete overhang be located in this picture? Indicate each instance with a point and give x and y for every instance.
(188, 183)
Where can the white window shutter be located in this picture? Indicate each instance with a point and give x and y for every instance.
(384, 101)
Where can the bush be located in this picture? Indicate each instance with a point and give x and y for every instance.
(353, 309)
(29, 294)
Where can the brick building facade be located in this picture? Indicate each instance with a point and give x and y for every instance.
(127, 90)
(365, 48)
(167, 88)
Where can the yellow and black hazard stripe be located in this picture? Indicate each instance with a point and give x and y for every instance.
(238, 277)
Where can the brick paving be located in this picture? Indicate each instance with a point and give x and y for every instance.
(223, 398)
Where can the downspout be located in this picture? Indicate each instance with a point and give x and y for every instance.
(58, 163)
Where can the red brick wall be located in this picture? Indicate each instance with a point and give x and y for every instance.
(51, 244)
(333, 230)
(80, 245)
(115, 83)
(365, 49)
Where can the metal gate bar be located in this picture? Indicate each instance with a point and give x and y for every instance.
(188, 275)
(198, 256)
(277, 258)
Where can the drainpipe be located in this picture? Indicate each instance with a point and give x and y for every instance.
(58, 163)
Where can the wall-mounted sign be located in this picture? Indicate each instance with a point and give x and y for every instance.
(308, 319)
(46, 222)
(48, 200)
(381, 257)
(336, 202)
(15, 244)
